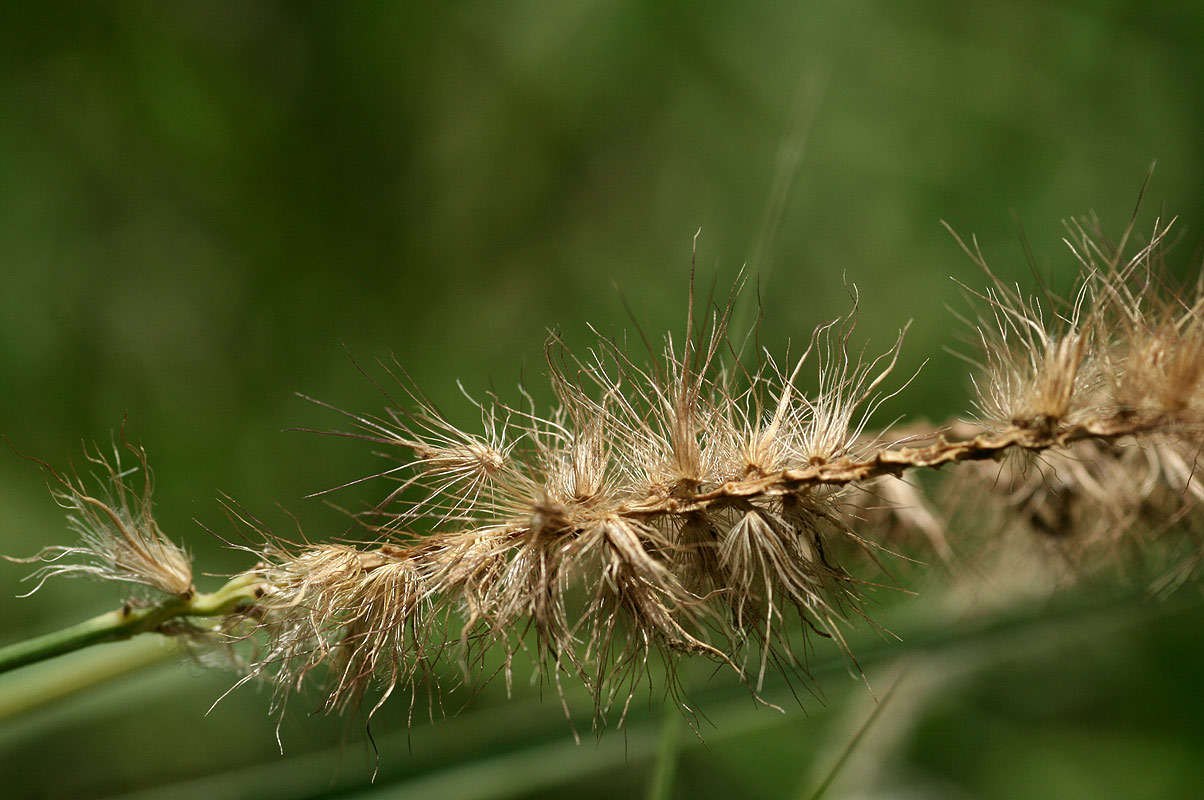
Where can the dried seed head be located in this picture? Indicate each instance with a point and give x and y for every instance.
(698, 504)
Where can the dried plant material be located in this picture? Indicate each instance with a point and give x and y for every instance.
(119, 539)
(1127, 411)
(657, 509)
(1033, 373)
(696, 504)
(1094, 504)
(349, 611)
(699, 504)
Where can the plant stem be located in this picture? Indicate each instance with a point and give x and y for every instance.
(23, 691)
(130, 621)
(664, 769)
(857, 737)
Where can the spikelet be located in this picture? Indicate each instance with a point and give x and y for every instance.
(1035, 371)
(351, 613)
(119, 539)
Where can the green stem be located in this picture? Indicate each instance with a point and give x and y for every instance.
(857, 737)
(668, 750)
(129, 621)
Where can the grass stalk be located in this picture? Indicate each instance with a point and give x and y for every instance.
(129, 621)
(668, 751)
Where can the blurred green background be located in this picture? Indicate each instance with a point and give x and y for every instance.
(205, 203)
